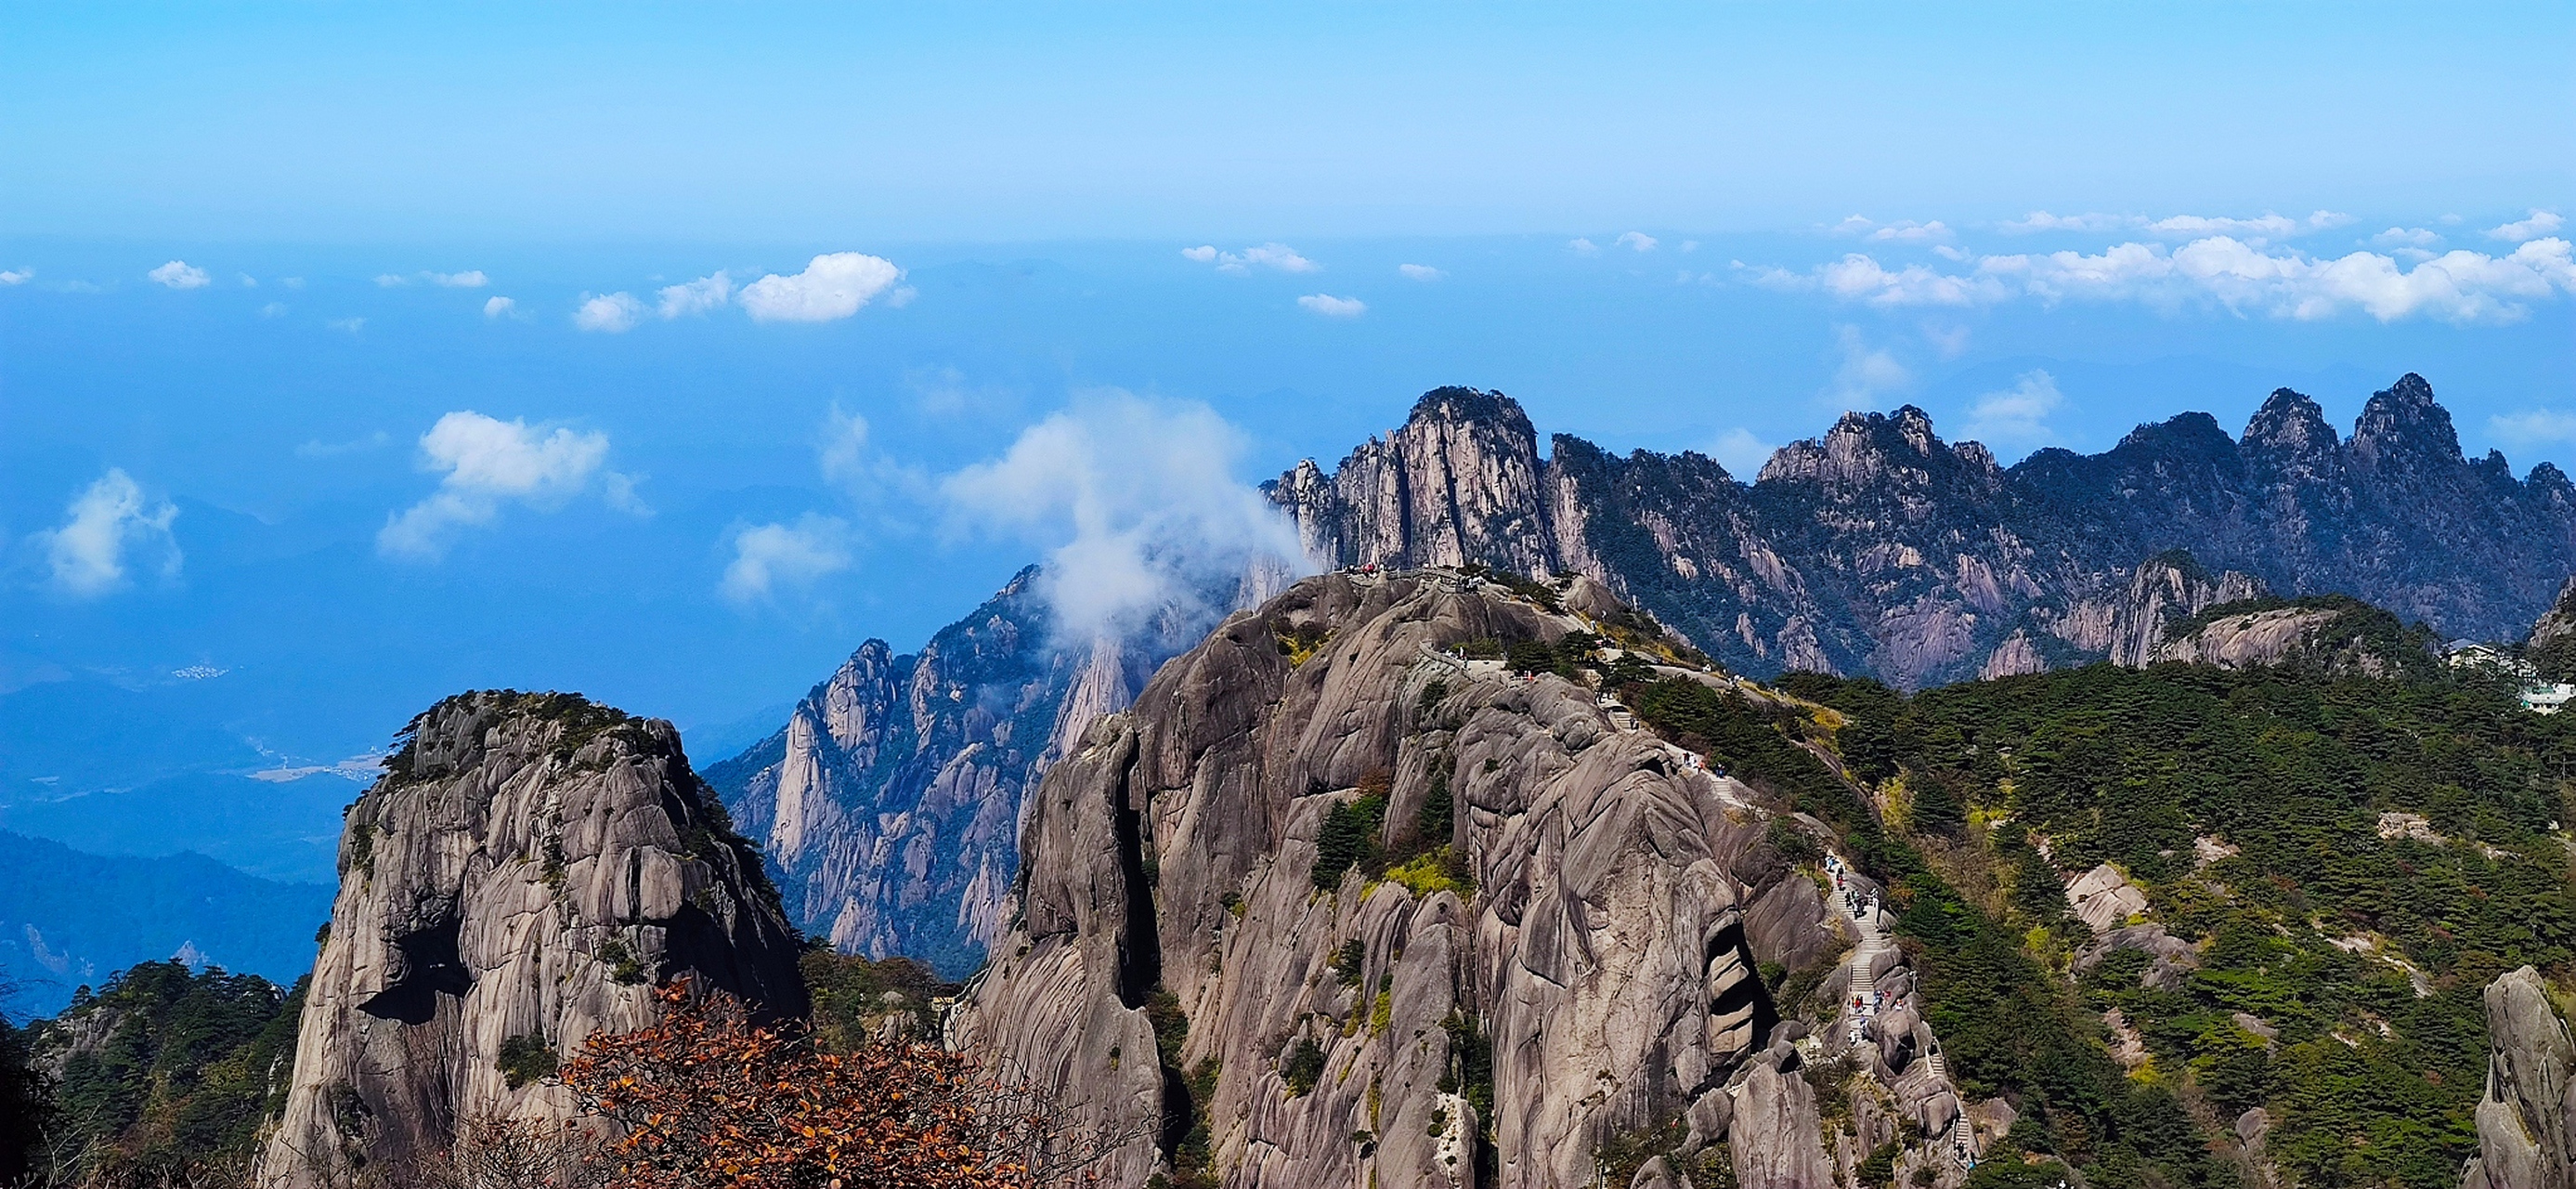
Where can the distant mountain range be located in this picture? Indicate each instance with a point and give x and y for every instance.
(1881, 550)
(891, 801)
(69, 919)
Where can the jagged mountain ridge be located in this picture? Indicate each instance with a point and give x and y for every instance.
(1879, 549)
(891, 804)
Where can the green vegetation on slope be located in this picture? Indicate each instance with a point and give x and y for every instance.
(163, 1068)
(2005, 1025)
(2248, 806)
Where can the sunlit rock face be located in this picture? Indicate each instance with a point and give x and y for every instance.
(527, 869)
(2527, 1121)
(1175, 954)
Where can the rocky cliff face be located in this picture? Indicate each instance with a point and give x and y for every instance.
(889, 805)
(2527, 1122)
(1880, 549)
(1570, 960)
(2552, 646)
(2323, 633)
(527, 868)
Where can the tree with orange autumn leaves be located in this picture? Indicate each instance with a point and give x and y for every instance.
(705, 1097)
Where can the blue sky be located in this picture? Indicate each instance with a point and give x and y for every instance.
(784, 123)
(357, 354)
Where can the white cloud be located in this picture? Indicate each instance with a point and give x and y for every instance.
(1901, 231)
(1741, 453)
(2267, 224)
(497, 306)
(1690, 245)
(1419, 272)
(2406, 237)
(106, 523)
(2243, 277)
(845, 442)
(248, 281)
(293, 282)
(709, 292)
(1858, 277)
(352, 325)
(274, 309)
(834, 285)
(2016, 416)
(469, 279)
(608, 313)
(1864, 373)
(2534, 426)
(1333, 307)
(767, 557)
(16, 276)
(486, 463)
(1135, 501)
(179, 274)
(2539, 224)
(1637, 241)
(1277, 256)
(1581, 244)
(1950, 341)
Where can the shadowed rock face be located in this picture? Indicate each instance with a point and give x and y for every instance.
(529, 866)
(1879, 549)
(2527, 1121)
(1605, 951)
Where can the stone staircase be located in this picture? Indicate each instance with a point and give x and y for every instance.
(1863, 914)
(1963, 1138)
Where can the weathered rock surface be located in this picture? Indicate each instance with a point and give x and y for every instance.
(2527, 1121)
(2249, 640)
(1880, 549)
(2104, 899)
(2331, 634)
(1602, 958)
(2552, 646)
(528, 867)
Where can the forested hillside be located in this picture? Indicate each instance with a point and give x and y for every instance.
(2298, 885)
(166, 1075)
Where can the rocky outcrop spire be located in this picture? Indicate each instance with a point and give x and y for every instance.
(2289, 441)
(524, 873)
(2402, 431)
(2527, 1121)
(1459, 483)
(1874, 452)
